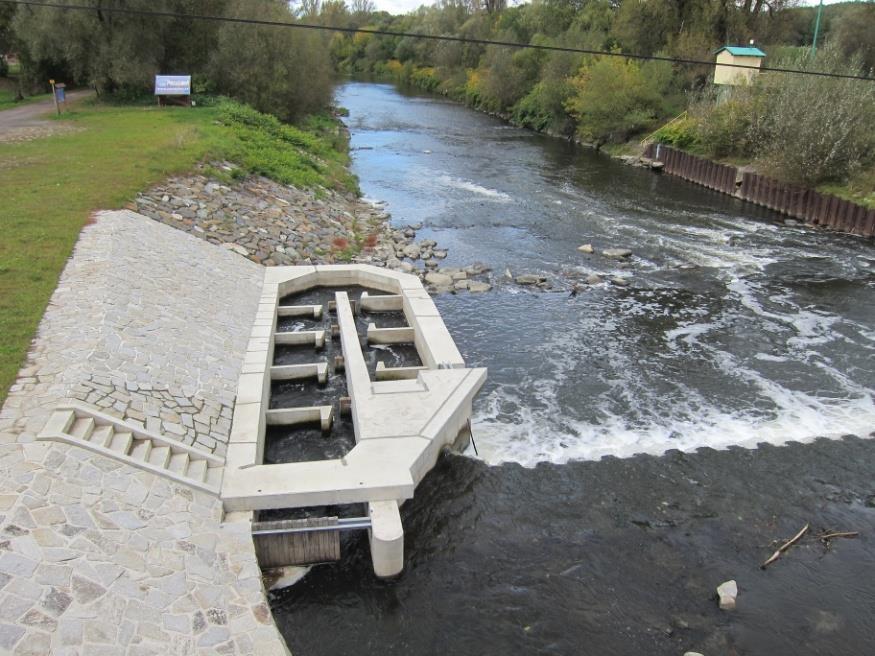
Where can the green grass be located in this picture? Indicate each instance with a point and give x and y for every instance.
(51, 186)
(7, 96)
(859, 189)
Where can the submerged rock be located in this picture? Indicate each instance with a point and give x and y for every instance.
(530, 279)
(475, 286)
(617, 253)
(727, 593)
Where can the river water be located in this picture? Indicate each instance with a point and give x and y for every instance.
(732, 330)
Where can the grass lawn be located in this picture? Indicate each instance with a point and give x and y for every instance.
(50, 187)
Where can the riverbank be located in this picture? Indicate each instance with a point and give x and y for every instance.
(274, 225)
(799, 203)
(104, 156)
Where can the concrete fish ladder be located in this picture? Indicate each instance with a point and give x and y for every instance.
(402, 420)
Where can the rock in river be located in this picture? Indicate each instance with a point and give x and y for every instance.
(585, 248)
(530, 279)
(727, 592)
(617, 253)
(438, 279)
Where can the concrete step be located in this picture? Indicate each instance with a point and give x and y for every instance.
(179, 463)
(102, 435)
(141, 450)
(197, 470)
(109, 436)
(121, 443)
(160, 456)
(82, 427)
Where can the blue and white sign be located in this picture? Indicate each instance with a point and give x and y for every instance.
(173, 85)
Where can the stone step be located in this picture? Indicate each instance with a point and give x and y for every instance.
(87, 427)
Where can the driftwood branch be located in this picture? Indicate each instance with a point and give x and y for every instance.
(837, 534)
(789, 543)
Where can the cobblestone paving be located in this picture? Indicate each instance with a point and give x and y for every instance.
(97, 557)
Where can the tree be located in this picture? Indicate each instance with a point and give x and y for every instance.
(615, 98)
(277, 70)
(6, 35)
(853, 33)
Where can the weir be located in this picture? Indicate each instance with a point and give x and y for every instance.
(401, 416)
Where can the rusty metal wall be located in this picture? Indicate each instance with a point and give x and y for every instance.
(800, 203)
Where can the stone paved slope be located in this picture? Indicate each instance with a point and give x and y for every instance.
(97, 557)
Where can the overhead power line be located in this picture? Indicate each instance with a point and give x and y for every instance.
(431, 37)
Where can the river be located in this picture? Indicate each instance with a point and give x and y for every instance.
(609, 496)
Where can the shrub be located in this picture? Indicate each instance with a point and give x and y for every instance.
(802, 128)
(680, 133)
(616, 98)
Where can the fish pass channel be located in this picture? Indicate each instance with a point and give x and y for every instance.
(733, 330)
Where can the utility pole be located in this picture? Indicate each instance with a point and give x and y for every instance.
(816, 29)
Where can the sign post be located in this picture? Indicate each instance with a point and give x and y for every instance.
(173, 89)
(55, 97)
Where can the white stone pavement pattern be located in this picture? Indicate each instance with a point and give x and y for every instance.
(97, 557)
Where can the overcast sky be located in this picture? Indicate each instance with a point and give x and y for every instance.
(404, 6)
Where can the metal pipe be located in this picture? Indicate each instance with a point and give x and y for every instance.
(343, 524)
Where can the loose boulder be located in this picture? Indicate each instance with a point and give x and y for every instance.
(530, 279)
(727, 593)
(617, 253)
(438, 279)
(585, 248)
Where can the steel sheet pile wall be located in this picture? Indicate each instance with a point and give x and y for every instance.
(800, 203)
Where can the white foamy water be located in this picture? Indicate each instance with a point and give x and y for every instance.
(528, 422)
(474, 188)
(544, 434)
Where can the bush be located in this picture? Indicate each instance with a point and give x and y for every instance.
(304, 156)
(680, 133)
(724, 128)
(616, 98)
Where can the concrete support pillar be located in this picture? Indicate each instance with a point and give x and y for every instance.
(387, 538)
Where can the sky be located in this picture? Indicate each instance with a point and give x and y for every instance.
(404, 6)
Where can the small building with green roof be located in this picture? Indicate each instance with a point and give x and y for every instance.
(737, 56)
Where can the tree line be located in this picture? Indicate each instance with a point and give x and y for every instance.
(610, 100)
(277, 70)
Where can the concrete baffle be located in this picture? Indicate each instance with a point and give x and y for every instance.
(387, 538)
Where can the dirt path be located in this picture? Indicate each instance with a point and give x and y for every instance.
(29, 121)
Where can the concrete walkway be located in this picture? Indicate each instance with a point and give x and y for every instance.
(97, 557)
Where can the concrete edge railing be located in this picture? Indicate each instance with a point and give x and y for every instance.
(812, 207)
